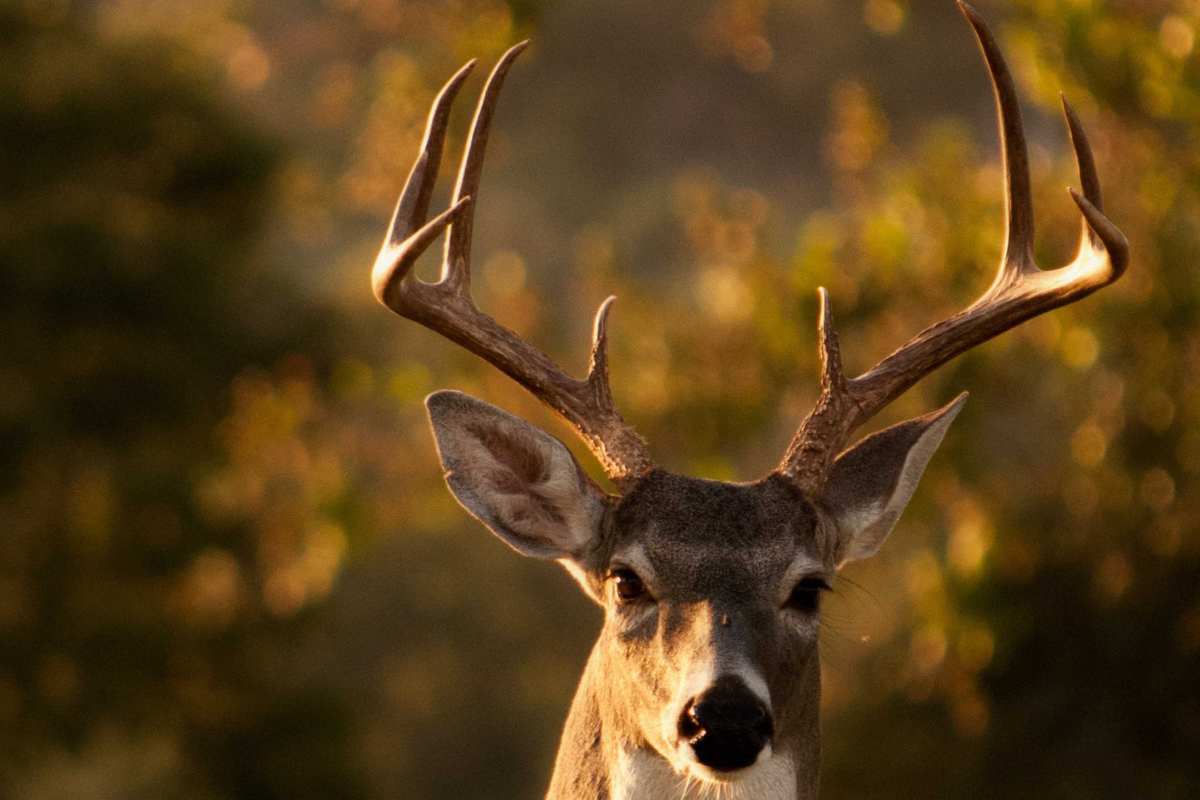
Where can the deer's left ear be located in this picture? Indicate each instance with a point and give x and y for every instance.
(871, 483)
(519, 481)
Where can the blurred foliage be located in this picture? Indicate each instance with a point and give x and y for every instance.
(230, 567)
(137, 659)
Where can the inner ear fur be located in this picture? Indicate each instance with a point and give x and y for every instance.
(519, 481)
(871, 483)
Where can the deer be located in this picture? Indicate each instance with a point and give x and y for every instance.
(705, 678)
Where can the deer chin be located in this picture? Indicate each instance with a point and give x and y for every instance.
(645, 773)
(689, 767)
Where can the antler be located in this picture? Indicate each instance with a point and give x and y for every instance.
(1020, 291)
(446, 306)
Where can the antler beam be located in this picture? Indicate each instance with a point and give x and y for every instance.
(447, 308)
(1020, 291)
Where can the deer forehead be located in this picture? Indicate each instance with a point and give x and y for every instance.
(704, 538)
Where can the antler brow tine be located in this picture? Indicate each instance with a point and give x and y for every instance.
(1020, 291)
(447, 308)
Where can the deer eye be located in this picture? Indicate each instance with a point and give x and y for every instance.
(630, 588)
(806, 596)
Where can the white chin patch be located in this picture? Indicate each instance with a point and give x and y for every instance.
(643, 775)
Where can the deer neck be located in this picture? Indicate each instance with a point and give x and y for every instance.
(602, 756)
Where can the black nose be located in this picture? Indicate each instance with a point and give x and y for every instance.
(727, 726)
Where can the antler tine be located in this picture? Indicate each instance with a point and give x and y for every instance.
(1018, 196)
(413, 206)
(1098, 235)
(1089, 179)
(597, 376)
(1020, 291)
(446, 306)
(833, 380)
(456, 265)
(822, 433)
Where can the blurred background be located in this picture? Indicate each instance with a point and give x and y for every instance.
(229, 567)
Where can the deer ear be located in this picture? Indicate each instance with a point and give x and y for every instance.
(519, 481)
(871, 483)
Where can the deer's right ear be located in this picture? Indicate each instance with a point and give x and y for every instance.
(519, 481)
(872, 482)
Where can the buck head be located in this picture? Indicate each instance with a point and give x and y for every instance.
(711, 590)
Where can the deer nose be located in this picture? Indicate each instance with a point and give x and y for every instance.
(727, 726)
